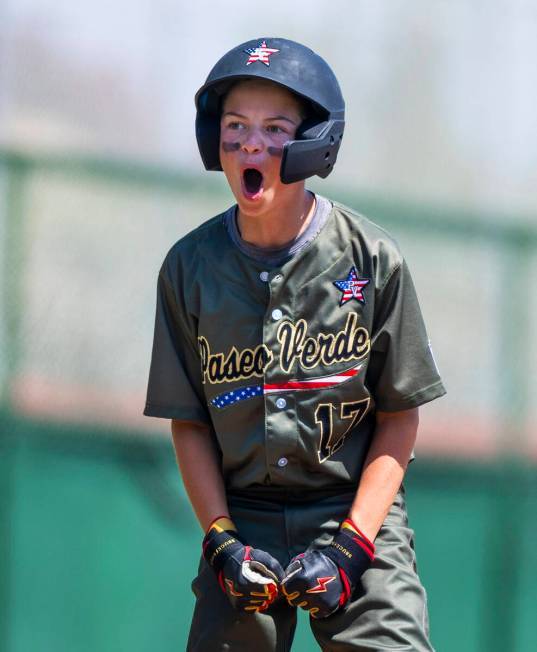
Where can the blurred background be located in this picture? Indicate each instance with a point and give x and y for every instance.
(100, 175)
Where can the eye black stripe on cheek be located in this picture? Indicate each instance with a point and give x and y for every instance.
(230, 147)
(275, 151)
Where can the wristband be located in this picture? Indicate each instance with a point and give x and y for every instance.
(351, 550)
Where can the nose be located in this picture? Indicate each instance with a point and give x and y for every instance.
(253, 142)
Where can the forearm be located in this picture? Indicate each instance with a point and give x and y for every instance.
(384, 469)
(199, 464)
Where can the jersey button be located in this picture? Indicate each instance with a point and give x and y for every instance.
(282, 462)
(264, 276)
(281, 403)
(277, 314)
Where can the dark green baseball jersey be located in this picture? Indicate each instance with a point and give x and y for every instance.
(289, 364)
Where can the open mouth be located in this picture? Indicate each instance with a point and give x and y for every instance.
(253, 183)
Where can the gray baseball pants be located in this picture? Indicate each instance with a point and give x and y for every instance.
(388, 611)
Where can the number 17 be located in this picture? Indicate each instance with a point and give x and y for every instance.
(332, 438)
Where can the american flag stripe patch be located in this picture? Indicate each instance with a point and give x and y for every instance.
(314, 383)
(243, 393)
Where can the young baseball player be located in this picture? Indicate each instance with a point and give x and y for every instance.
(291, 355)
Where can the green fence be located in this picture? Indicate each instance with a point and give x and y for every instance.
(98, 543)
(99, 546)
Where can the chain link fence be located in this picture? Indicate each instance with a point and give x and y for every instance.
(99, 542)
(82, 244)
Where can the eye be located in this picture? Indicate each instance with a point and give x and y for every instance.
(233, 125)
(275, 129)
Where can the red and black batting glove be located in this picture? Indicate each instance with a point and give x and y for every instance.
(249, 577)
(322, 581)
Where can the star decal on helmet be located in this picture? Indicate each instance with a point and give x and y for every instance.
(321, 584)
(352, 287)
(260, 53)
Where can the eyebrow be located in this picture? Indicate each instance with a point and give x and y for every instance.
(276, 117)
(282, 117)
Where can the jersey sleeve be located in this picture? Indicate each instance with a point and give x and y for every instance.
(175, 388)
(402, 372)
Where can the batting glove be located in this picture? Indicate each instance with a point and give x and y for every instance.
(249, 577)
(321, 582)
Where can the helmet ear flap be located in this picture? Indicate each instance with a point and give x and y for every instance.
(314, 152)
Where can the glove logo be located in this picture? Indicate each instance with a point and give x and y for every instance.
(231, 589)
(260, 53)
(321, 584)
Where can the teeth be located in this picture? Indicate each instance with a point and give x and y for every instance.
(252, 180)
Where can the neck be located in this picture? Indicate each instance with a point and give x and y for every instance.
(281, 223)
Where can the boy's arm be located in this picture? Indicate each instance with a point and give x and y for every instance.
(199, 464)
(384, 468)
(248, 576)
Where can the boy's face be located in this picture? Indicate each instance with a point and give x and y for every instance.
(258, 118)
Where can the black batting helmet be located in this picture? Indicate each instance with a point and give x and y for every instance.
(296, 68)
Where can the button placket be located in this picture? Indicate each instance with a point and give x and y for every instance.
(279, 420)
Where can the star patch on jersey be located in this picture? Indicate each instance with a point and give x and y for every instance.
(352, 287)
(260, 53)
